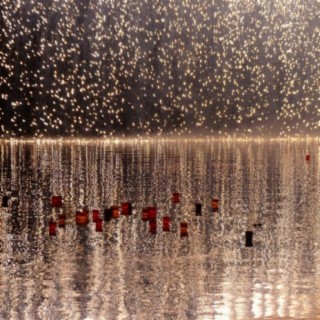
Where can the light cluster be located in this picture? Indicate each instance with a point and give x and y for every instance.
(161, 67)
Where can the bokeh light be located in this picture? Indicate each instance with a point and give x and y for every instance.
(169, 67)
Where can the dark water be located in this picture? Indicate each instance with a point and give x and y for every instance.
(126, 273)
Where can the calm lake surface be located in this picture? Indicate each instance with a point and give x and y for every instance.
(125, 272)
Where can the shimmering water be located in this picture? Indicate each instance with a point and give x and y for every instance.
(126, 273)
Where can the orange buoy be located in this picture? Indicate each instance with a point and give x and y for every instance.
(82, 218)
(166, 223)
(115, 212)
(215, 204)
(52, 228)
(145, 214)
(62, 220)
(183, 229)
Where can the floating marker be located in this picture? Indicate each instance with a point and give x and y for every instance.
(107, 214)
(5, 202)
(176, 197)
(215, 205)
(145, 214)
(99, 224)
(95, 215)
(249, 235)
(62, 220)
(308, 157)
(198, 209)
(115, 212)
(52, 228)
(56, 201)
(153, 226)
(152, 213)
(82, 218)
(126, 208)
(183, 229)
(166, 223)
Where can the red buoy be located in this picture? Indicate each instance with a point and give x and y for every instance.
(126, 208)
(183, 229)
(176, 197)
(166, 223)
(99, 223)
(153, 226)
(152, 214)
(95, 215)
(215, 204)
(56, 201)
(82, 218)
(52, 228)
(115, 212)
(308, 157)
(62, 220)
(145, 214)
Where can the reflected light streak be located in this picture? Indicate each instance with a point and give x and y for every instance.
(126, 272)
(175, 68)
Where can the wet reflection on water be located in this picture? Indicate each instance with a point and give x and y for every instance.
(127, 273)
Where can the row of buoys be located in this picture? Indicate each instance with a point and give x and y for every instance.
(166, 224)
(126, 207)
(148, 214)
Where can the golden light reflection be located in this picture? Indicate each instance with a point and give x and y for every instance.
(124, 271)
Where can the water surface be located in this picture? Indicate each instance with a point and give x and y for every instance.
(127, 273)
